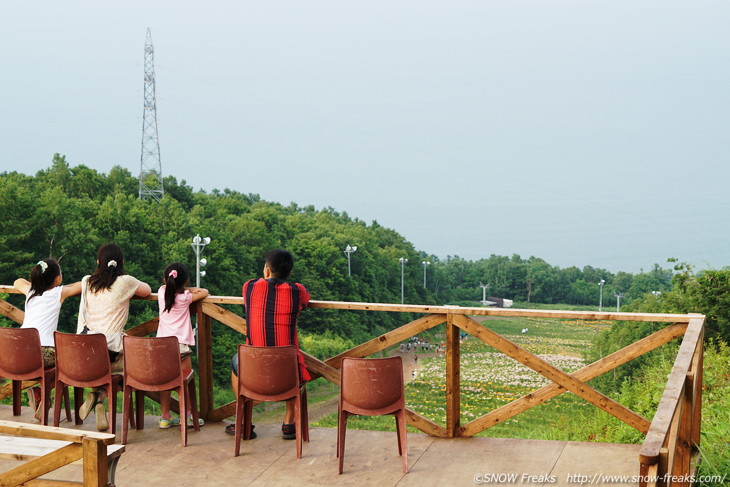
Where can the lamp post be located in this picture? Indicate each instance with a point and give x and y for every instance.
(348, 251)
(403, 261)
(198, 246)
(618, 302)
(600, 299)
(425, 264)
(484, 293)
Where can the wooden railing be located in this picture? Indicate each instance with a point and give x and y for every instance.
(672, 436)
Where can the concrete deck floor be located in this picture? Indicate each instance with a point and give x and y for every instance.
(156, 457)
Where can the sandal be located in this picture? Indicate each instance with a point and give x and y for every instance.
(231, 430)
(166, 423)
(91, 399)
(288, 431)
(189, 422)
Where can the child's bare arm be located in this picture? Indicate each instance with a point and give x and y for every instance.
(198, 293)
(70, 290)
(22, 285)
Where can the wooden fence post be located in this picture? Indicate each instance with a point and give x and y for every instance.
(205, 363)
(697, 367)
(453, 397)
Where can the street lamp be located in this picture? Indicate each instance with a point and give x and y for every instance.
(403, 261)
(600, 301)
(618, 302)
(484, 293)
(425, 264)
(349, 250)
(198, 246)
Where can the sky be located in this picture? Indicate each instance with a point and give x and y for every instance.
(581, 132)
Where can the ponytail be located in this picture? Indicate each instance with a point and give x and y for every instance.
(42, 277)
(175, 278)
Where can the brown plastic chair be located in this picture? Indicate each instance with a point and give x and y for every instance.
(269, 374)
(83, 361)
(372, 387)
(21, 358)
(153, 365)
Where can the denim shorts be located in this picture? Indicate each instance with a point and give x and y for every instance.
(234, 364)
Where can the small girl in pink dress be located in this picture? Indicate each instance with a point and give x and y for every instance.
(174, 301)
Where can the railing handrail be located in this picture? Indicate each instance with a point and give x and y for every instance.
(456, 310)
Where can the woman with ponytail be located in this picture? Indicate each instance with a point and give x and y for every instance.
(104, 308)
(174, 301)
(44, 296)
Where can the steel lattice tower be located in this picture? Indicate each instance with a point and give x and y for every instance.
(150, 171)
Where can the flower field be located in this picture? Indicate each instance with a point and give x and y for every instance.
(490, 379)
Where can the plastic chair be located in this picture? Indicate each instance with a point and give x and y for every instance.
(83, 361)
(21, 359)
(153, 365)
(372, 387)
(269, 374)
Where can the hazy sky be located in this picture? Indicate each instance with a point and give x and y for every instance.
(583, 132)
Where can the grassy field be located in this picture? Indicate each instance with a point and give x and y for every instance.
(490, 379)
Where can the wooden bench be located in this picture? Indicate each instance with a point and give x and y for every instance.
(47, 448)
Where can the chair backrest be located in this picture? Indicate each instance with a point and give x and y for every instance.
(21, 357)
(152, 364)
(372, 386)
(265, 373)
(82, 360)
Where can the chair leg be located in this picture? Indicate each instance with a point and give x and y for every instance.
(239, 424)
(67, 401)
(305, 414)
(193, 405)
(126, 405)
(17, 391)
(78, 399)
(45, 402)
(112, 404)
(57, 402)
(247, 417)
(132, 416)
(139, 396)
(341, 431)
(131, 420)
(184, 403)
(400, 421)
(298, 424)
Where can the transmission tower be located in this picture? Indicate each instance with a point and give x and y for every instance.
(150, 169)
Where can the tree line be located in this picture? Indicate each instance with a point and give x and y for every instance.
(66, 212)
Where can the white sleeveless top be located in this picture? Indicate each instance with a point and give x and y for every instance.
(41, 312)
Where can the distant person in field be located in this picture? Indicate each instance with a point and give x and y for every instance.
(43, 297)
(104, 308)
(272, 308)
